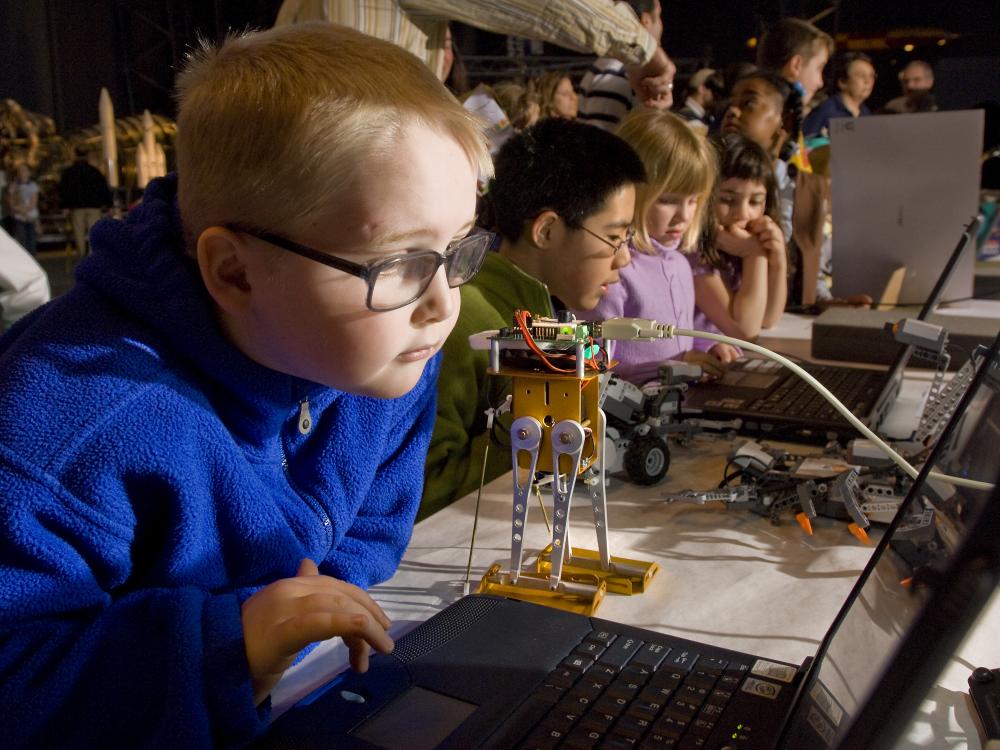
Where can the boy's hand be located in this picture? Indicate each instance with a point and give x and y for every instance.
(738, 242)
(286, 616)
(711, 366)
(725, 353)
(769, 235)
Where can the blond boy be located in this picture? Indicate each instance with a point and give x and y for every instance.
(241, 383)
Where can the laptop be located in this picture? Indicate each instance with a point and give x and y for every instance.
(491, 672)
(770, 400)
(899, 184)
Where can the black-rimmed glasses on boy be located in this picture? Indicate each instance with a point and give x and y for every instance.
(398, 280)
(616, 246)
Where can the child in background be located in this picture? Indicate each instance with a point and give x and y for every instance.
(670, 209)
(563, 203)
(740, 276)
(240, 383)
(23, 201)
(766, 109)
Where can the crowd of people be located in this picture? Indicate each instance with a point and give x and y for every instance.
(221, 436)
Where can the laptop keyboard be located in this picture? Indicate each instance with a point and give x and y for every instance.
(856, 389)
(614, 692)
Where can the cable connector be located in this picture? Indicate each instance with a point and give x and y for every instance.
(633, 329)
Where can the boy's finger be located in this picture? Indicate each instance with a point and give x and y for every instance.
(359, 651)
(307, 568)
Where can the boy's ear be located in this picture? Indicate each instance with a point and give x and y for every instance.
(220, 254)
(793, 68)
(543, 228)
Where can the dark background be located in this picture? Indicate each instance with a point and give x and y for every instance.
(57, 54)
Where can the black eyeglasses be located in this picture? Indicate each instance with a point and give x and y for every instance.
(396, 281)
(629, 234)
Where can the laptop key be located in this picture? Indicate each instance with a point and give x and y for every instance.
(590, 649)
(623, 689)
(701, 728)
(607, 705)
(670, 726)
(560, 721)
(691, 742)
(602, 637)
(617, 742)
(604, 672)
(563, 677)
(598, 721)
(651, 655)
(543, 739)
(656, 741)
(621, 651)
(575, 704)
(631, 726)
(691, 694)
(577, 662)
(645, 709)
(583, 739)
(701, 679)
(670, 678)
(680, 660)
(587, 688)
(681, 710)
(637, 673)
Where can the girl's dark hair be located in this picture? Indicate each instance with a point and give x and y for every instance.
(792, 109)
(742, 159)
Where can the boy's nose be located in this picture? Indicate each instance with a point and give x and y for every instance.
(438, 302)
(622, 258)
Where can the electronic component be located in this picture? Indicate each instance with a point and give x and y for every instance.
(984, 689)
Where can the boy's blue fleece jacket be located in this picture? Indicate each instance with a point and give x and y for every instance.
(152, 477)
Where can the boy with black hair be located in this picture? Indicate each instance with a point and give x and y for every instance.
(214, 442)
(563, 200)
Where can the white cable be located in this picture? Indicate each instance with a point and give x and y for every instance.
(669, 331)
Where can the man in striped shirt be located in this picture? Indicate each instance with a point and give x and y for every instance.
(608, 93)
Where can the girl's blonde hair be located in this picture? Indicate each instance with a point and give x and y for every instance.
(280, 123)
(677, 160)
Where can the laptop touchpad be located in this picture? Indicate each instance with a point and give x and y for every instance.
(419, 719)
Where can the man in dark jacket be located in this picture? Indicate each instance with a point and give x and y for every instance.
(84, 191)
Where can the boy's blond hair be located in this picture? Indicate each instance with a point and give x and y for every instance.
(677, 160)
(275, 125)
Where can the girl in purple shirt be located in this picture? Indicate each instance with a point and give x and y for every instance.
(669, 211)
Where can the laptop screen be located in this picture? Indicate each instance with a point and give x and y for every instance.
(920, 543)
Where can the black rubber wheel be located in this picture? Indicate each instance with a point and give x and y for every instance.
(647, 459)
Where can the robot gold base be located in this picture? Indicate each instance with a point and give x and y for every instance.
(579, 596)
(625, 576)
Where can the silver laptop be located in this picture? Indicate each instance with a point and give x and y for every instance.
(901, 184)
